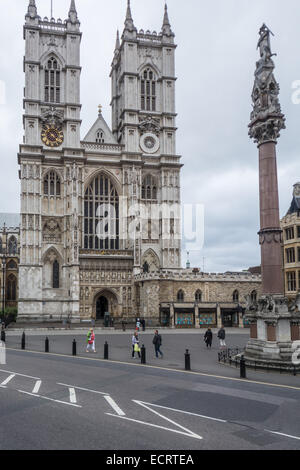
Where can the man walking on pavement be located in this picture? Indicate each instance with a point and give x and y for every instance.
(208, 337)
(221, 336)
(135, 344)
(90, 341)
(157, 344)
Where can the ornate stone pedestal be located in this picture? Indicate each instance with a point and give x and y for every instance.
(274, 333)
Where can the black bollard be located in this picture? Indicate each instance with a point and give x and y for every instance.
(105, 350)
(143, 355)
(74, 347)
(23, 340)
(3, 336)
(187, 360)
(47, 345)
(242, 368)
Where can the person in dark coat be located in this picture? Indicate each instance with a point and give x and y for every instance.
(221, 336)
(157, 343)
(208, 337)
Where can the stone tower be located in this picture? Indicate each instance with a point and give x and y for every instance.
(144, 122)
(274, 324)
(50, 160)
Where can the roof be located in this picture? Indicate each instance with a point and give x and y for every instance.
(100, 123)
(295, 205)
(9, 219)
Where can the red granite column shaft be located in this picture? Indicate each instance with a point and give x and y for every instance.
(271, 250)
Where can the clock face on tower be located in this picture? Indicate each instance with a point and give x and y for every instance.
(52, 136)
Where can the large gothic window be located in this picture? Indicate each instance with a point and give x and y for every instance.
(12, 246)
(11, 288)
(148, 90)
(101, 215)
(52, 81)
(52, 184)
(149, 188)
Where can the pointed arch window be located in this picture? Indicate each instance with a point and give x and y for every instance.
(145, 267)
(55, 279)
(12, 246)
(254, 296)
(52, 81)
(149, 188)
(101, 215)
(52, 185)
(148, 90)
(11, 288)
(235, 296)
(198, 296)
(180, 296)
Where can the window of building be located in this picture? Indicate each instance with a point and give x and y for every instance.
(55, 275)
(298, 230)
(11, 265)
(149, 188)
(291, 281)
(235, 296)
(298, 255)
(52, 81)
(11, 288)
(253, 296)
(52, 184)
(100, 136)
(101, 215)
(148, 90)
(145, 267)
(198, 296)
(290, 255)
(289, 233)
(12, 246)
(180, 296)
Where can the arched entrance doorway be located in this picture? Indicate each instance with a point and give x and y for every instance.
(101, 307)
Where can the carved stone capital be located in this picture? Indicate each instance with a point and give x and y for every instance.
(267, 130)
(270, 235)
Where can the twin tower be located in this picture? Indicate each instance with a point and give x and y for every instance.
(84, 237)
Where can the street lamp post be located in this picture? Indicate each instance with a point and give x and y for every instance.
(3, 283)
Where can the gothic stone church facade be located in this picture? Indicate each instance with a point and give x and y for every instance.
(99, 217)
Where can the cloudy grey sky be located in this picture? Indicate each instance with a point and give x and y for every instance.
(216, 58)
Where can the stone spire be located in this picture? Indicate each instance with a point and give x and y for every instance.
(32, 9)
(267, 119)
(129, 25)
(166, 28)
(73, 18)
(117, 42)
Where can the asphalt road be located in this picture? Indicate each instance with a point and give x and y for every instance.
(56, 402)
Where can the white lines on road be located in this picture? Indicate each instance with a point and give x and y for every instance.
(188, 434)
(51, 399)
(114, 405)
(181, 411)
(5, 382)
(37, 386)
(84, 389)
(21, 375)
(282, 434)
(72, 395)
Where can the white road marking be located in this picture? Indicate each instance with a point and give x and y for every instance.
(84, 389)
(37, 386)
(5, 382)
(114, 405)
(22, 375)
(51, 399)
(167, 419)
(72, 395)
(181, 411)
(188, 434)
(282, 434)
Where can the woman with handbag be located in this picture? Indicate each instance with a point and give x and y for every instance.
(135, 345)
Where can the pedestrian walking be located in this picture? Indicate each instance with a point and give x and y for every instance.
(135, 344)
(221, 336)
(208, 337)
(90, 341)
(157, 343)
